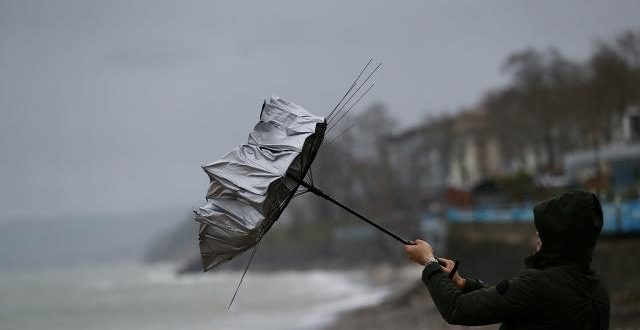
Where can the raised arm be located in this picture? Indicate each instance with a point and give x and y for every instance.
(469, 302)
(509, 299)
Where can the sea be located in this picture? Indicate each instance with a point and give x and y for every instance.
(135, 296)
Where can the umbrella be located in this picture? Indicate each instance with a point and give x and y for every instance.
(252, 185)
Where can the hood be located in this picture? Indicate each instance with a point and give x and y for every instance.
(568, 226)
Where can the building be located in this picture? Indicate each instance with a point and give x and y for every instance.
(475, 151)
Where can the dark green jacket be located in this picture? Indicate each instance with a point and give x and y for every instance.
(563, 297)
(557, 291)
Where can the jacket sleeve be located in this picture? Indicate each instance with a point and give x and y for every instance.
(509, 300)
(473, 284)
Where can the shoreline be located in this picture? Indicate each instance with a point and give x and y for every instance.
(408, 305)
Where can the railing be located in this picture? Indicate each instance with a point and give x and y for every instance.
(618, 218)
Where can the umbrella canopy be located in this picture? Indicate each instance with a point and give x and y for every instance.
(251, 185)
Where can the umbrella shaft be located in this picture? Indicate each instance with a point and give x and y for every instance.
(319, 192)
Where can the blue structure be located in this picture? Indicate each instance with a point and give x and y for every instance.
(622, 165)
(618, 218)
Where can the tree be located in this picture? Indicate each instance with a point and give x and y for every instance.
(543, 99)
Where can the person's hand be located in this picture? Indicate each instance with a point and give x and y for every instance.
(447, 267)
(420, 252)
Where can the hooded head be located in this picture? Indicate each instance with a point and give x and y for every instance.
(568, 226)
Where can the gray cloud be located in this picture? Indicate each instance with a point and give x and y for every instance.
(113, 105)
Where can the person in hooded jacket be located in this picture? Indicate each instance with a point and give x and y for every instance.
(558, 290)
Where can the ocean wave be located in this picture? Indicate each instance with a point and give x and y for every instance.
(328, 312)
(155, 297)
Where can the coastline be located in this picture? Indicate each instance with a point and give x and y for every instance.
(409, 306)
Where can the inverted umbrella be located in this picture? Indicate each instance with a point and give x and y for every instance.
(252, 185)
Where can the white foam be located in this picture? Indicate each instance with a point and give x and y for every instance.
(143, 297)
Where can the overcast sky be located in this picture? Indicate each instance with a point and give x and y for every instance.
(112, 106)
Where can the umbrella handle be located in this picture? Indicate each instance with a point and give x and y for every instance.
(456, 264)
(319, 192)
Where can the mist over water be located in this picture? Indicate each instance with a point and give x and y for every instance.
(133, 296)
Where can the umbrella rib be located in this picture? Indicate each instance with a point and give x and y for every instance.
(255, 248)
(246, 268)
(356, 92)
(334, 115)
(301, 161)
(316, 142)
(300, 193)
(351, 107)
(350, 88)
(340, 135)
(281, 204)
(328, 144)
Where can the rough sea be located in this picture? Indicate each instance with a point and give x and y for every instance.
(140, 297)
